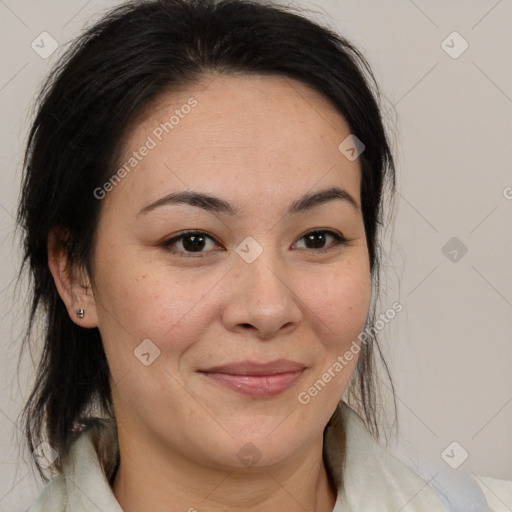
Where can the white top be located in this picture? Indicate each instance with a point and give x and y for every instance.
(374, 480)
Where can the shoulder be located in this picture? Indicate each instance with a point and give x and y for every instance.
(83, 483)
(371, 477)
(498, 492)
(52, 497)
(459, 490)
(469, 492)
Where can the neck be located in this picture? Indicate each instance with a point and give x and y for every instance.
(150, 478)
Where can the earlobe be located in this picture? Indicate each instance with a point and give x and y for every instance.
(71, 281)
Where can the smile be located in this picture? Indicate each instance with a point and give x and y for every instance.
(256, 379)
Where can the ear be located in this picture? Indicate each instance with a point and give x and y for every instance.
(72, 281)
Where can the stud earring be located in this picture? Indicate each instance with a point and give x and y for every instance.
(80, 313)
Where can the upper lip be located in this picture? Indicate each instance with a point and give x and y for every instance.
(255, 368)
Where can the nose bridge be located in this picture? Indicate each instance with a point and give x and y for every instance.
(260, 265)
(261, 296)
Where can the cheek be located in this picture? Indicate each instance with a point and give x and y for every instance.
(340, 303)
(152, 322)
(145, 306)
(143, 299)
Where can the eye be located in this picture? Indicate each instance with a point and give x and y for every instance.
(317, 239)
(192, 243)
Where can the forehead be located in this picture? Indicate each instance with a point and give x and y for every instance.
(263, 136)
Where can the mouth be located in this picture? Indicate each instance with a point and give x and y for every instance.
(257, 379)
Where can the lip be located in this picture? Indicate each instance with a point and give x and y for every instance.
(257, 379)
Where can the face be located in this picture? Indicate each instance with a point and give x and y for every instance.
(244, 301)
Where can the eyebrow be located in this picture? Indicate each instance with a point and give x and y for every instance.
(217, 205)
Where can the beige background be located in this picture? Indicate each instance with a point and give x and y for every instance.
(450, 349)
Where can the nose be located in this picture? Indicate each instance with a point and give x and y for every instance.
(261, 298)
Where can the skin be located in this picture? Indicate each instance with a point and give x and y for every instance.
(259, 143)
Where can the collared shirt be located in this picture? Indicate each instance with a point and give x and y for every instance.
(371, 479)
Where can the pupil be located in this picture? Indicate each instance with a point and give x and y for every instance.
(320, 239)
(196, 241)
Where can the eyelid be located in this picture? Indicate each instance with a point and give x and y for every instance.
(167, 244)
(340, 239)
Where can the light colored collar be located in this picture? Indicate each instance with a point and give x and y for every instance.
(373, 479)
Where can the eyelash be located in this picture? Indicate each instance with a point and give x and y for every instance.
(167, 244)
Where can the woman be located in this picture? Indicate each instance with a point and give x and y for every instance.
(202, 200)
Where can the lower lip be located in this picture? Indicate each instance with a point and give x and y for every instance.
(257, 385)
